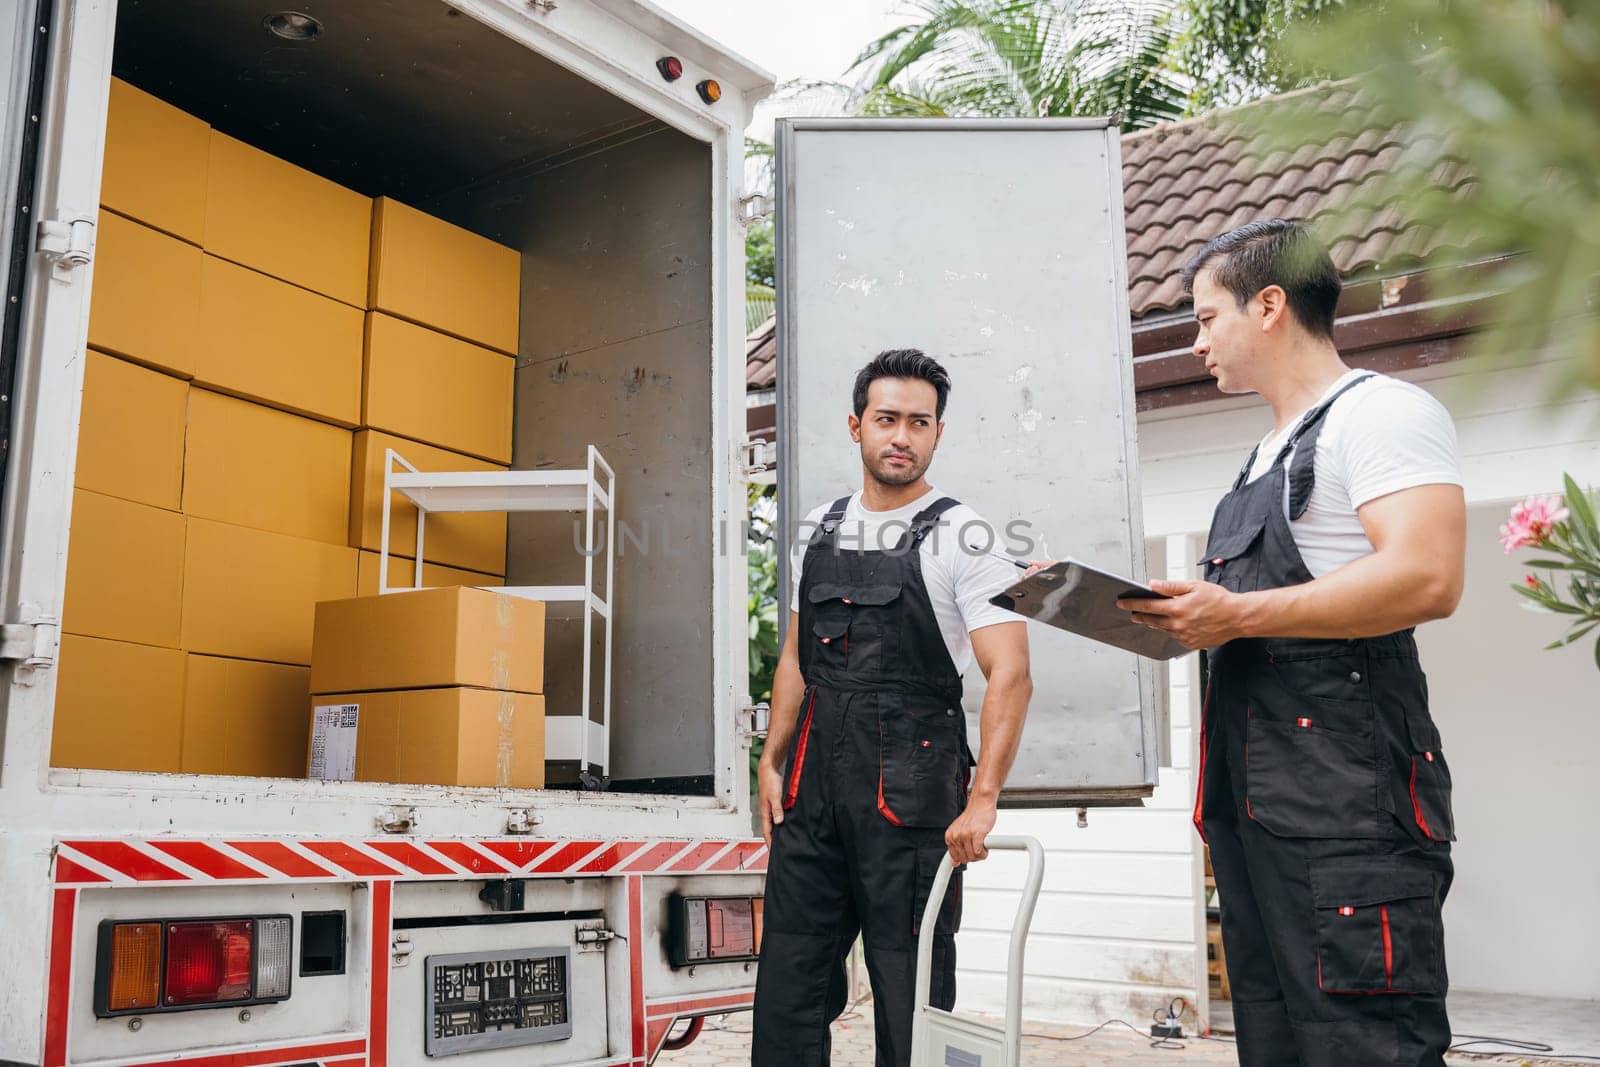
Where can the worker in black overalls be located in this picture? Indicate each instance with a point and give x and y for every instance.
(1323, 794)
(864, 778)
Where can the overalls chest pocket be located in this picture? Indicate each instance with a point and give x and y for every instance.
(856, 627)
(1231, 559)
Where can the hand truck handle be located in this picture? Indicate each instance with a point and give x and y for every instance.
(1019, 929)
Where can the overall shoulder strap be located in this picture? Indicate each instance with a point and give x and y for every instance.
(829, 524)
(925, 520)
(1302, 470)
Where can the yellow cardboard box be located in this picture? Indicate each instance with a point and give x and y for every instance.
(155, 163)
(118, 706)
(431, 387)
(255, 466)
(241, 717)
(428, 639)
(124, 571)
(145, 305)
(453, 736)
(426, 270)
(475, 540)
(402, 572)
(130, 433)
(287, 222)
(250, 594)
(278, 344)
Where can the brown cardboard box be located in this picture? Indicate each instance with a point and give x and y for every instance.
(428, 271)
(454, 736)
(428, 639)
(476, 541)
(145, 305)
(279, 344)
(403, 571)
(250, 594)
(241, 717)
(254, 466)
(124, 571)
(431, 387)
(118, 706)
(130, 435)
(155, 163)
(287, 222)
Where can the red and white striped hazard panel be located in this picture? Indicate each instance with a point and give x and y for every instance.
(122, 861)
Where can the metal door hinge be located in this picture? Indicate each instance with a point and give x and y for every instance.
(753, 719)
(523, 821)
(400, 949)
(592, 935)
(749, 210)
(68, 243)
(30, 644)
(759, 456)
(397, 820)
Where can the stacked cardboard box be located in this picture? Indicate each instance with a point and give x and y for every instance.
(439, 686)
(259, 337)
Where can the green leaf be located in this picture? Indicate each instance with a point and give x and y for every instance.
(1576, 633)
(1597, 653)
(1582, 513)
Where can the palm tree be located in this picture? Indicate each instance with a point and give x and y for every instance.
(1147, 61)
(1033, 58)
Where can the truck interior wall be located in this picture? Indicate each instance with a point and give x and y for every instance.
(616, 352)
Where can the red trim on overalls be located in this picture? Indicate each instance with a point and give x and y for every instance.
(1200, 785)
(1416, 805)
(883, 807)
(792, 790)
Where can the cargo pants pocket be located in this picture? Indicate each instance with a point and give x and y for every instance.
(1378, 927)
(1302, 780)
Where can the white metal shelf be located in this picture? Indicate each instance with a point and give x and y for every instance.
(526, 491)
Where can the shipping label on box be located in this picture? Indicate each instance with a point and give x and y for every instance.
(333, 742)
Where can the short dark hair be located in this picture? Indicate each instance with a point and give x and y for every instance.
(1273, 252)
(903, 363)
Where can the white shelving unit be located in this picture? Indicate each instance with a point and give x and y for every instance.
(433, 492)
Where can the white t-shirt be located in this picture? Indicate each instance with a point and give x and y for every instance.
(1383, 436)
(960, 582)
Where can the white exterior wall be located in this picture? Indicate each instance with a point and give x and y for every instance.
(1119, 929)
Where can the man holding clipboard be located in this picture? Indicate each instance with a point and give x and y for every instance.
(1323, 793)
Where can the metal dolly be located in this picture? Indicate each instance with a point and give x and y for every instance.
(944, 1039)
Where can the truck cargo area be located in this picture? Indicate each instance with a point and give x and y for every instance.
(611, 211)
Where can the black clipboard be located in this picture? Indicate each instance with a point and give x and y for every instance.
(1081, 599)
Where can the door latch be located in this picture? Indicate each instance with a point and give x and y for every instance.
(592, 935)
(67, 243)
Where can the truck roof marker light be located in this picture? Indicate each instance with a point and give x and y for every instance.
(293, 26)
(709, 91)
(135, 966)
(671, 67)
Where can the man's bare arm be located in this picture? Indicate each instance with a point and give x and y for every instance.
(1002, 654)
(1414, 575)
(788, 688)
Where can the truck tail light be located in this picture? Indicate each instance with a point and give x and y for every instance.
(209, 963)
(156, 965)
(135, 973)
(713, 929)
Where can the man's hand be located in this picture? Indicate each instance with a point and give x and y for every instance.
(769, 781)
(1037, 565)
(1198, 614)
(965, 836)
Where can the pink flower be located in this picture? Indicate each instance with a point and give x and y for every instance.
(1531, 522)
(1531, 582)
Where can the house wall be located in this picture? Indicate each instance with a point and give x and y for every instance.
(1119, 930)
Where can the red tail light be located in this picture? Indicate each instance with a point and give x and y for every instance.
(209, 963)
(157, 965)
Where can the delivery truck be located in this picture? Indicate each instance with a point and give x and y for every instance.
(306, 305)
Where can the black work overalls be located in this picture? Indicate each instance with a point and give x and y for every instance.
(1325, 801)
(876, 772)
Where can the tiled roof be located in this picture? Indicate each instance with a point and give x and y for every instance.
(1186, 182)
(761, 356)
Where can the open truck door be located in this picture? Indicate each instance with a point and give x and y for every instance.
(997, 247)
